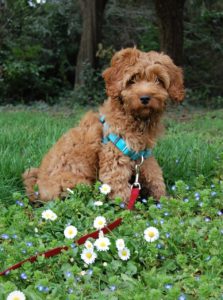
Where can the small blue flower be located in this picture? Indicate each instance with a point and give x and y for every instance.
(197, 278)
(166, 214)
(167, 235)
(168, 286)
(221, 231)
(158, 205)
(78, 279)
(177, 161)
(73, 246)
(40, 288)
(112, 288)
(29, 244)
(207, 219)
(23, 276)
(212, 186)
(147, 224)
(5, 236)
(70, 291)
(187, 187)
(136, 234)
(90, 272)
(7, 272)
(200, 204)
(186, 200)
(68, 274)
(46, 289)
(182, 297)
(173, 188)
(155, 221)
(15, 236)
(159, 246)
(161, 221)
(23, 251)
(122, 205)
(208, 258)
(19, 203)
(213, 194)
(197, 196)
(220, 213)
(144, 201)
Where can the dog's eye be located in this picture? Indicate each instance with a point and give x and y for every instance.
(131, 81)
(159, 81)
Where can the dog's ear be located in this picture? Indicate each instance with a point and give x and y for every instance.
(176, 89)
(120, 63)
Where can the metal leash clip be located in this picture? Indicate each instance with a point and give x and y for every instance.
(137, 169)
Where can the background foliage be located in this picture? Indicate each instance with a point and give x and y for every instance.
(39, 46)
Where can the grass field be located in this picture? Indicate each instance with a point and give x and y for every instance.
(189, 147)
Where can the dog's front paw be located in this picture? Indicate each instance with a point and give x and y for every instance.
(124, 194)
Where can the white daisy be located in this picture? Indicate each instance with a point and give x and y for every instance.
(120, 244)
(16, 295)
(124, 254)
(70, 232)
(49, 215)
(98, 203)
(88, 256)
(82, 273)
(88, 245)
(99, 222)
(105, 189)
(102, 244)
(151, 234)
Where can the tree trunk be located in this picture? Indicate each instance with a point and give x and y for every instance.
(170, 16)
(92, 16)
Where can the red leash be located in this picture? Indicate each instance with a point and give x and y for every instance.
(58, 250)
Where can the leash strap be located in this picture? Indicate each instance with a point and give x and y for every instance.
(58, 250)
(133, 197)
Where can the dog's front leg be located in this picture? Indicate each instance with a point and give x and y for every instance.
(152, 178)
(115, 169)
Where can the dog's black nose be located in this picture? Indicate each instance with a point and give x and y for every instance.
(145, 99)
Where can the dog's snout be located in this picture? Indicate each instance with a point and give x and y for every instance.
(145, 99)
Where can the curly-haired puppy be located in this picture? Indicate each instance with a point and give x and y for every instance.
(138, 85)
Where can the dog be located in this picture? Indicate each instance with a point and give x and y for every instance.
(138, 85)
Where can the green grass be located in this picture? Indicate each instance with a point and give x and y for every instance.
(187, 149)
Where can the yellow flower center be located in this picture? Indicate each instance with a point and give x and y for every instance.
(151, 234)
(89, 255)
(100, 222)
(103, 244)
(124, 253)
(70, 231)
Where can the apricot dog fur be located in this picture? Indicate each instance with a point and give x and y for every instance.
(79, 156)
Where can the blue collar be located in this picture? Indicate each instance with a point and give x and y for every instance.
(121, 144)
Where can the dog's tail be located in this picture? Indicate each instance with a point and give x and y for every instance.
(30, 177)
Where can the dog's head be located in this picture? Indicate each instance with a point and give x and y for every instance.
(143, 81)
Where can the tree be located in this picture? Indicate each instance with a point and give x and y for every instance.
(92, 16)
(170, 17)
